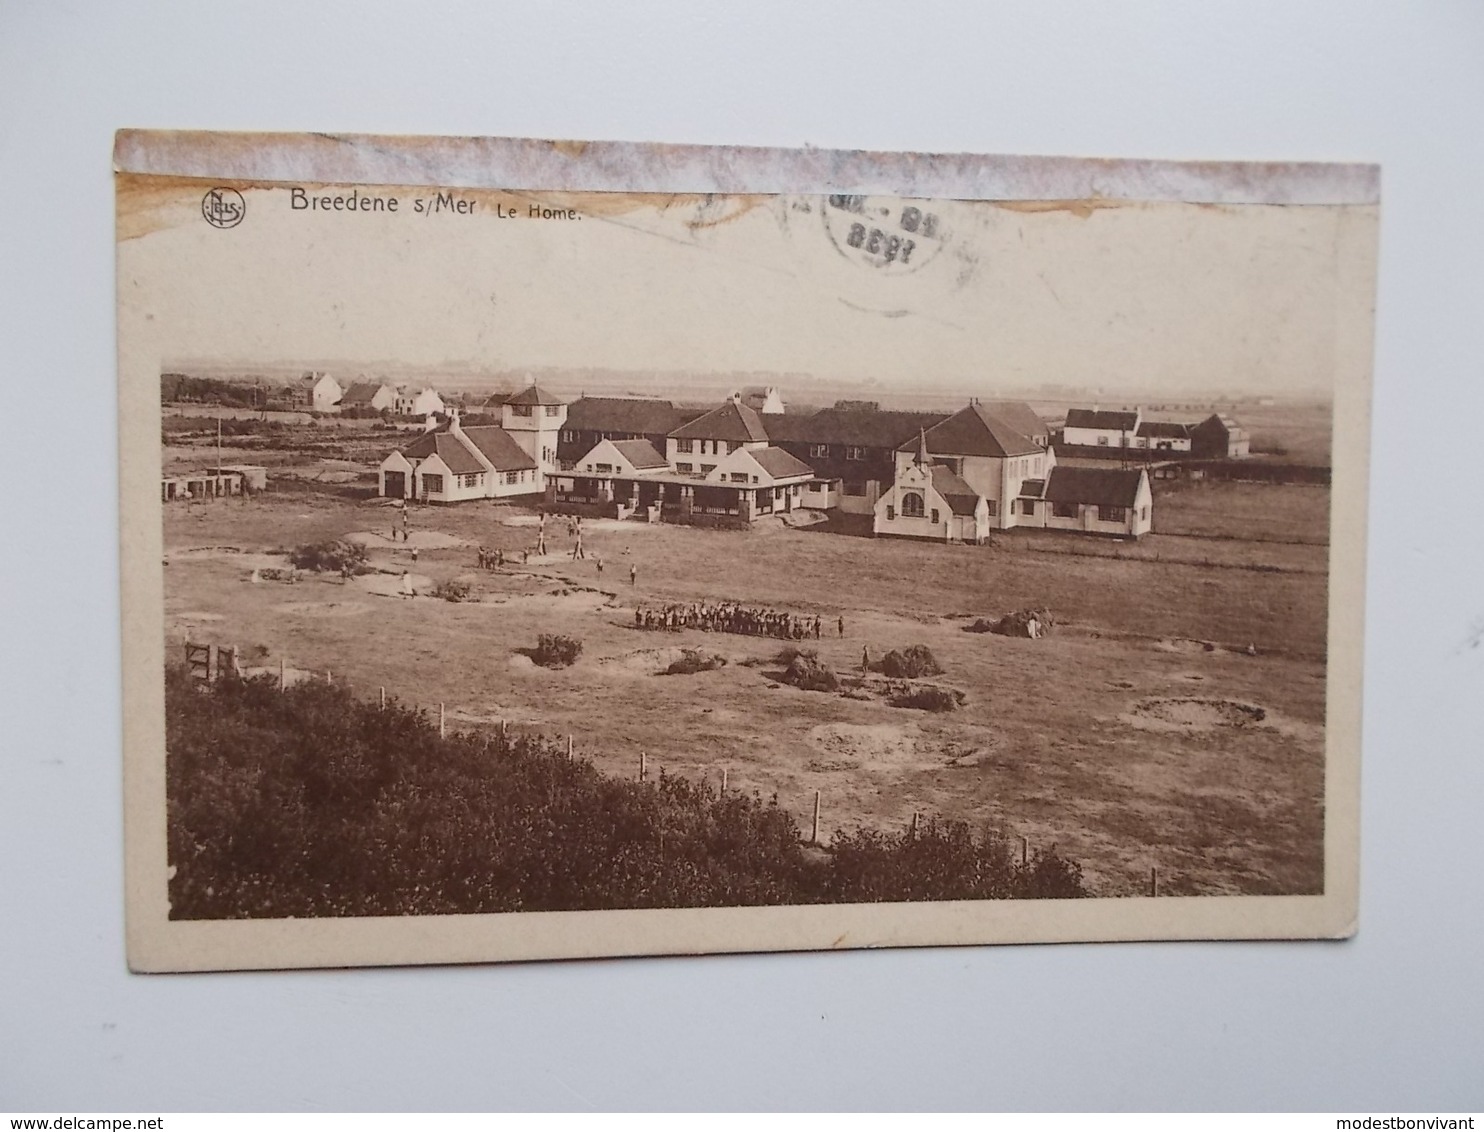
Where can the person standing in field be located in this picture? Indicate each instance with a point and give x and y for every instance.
(633, 574)
(599, 560)
(840, 625)
(406, 584)
(865, 658)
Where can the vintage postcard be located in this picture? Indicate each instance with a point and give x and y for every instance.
(550, 549)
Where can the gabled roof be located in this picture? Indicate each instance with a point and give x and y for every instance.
(1092, 418)
(1217, 421)
(534, 395)
(1164, 428)
(361, 393)
(639, 453)
(858, 428)
(625, 414)
(960, 497)
(1106, 487)
(972, 431)
(780, 464)
(728, 421)
(499, 448)
(1018, 415)
(448, 448)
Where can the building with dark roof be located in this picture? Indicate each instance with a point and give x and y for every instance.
(592, 419)
(855, 446)
(1221, 437)
(1101, 428)
(1163, 436)
(450, 464)
(696, 447)
(1110, 501)
(369, 396)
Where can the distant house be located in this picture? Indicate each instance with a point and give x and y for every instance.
(1220, 436)
(320, 392)
(420, 402)
(1098, 428)
(696, 448)
(1110, 501)
(762, 399)
(1163, 436)
(373, 396)
(591, 419)
(452, 463)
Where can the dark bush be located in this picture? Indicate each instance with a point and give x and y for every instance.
(928, 697)
(454, 589)
(805, 670)
(910, 663)
(553, 650)
(336, 555)
(693, 661)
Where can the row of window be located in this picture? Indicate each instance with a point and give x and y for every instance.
(525, 410)
(913, 507)
(433, 481)
(852, 452)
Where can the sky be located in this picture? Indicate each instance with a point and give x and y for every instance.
(991, 297)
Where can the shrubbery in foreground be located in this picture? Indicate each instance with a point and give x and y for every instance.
(308, 802)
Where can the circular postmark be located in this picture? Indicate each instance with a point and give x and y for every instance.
(223, 208)
(886, 233)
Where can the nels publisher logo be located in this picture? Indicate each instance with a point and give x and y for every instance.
(223, 208)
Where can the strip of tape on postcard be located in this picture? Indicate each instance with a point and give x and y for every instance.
(548, 549)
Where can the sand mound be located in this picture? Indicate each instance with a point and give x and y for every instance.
(1198, 714)
(642, 662)
(1184, 644)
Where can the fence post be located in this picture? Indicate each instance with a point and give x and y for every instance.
(1153, 881)
(723, 780)
(283, 675)
(329, 677)
(1025, 851)
(643, 766)
(383, 696)
(569, 748)
(441, 730)
(914, 825)
(815, 839)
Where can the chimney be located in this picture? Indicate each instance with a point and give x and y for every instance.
(453, 422)
(530, 380)
(430, 423)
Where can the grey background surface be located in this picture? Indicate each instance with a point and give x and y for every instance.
(1390, 1020)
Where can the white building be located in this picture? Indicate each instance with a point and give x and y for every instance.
(451, 464)
(371, 395)
(932, 501)
(696, 448)
(423, 402)
(763, 399)
(320, 392)
(534, 418)
(1100, 428)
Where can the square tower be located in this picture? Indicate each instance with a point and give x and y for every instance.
(534, 419)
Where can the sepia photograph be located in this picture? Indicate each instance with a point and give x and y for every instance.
(810, 550)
